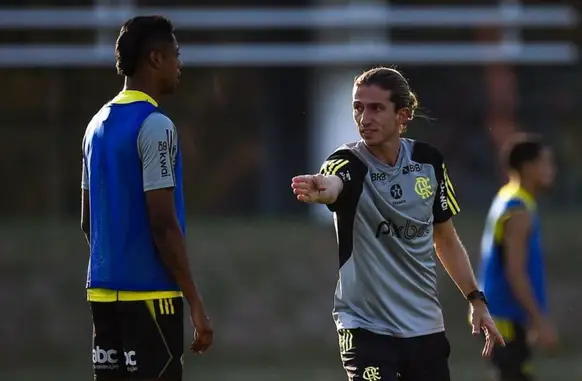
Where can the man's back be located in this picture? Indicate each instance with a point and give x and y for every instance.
(129, 148)
(387, 281)
(132, 214)
(123, 254)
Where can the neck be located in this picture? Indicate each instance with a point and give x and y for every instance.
(528, 186)
(387, 152)
(140, 84)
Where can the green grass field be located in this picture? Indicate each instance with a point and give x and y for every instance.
(565, 368)
(247, 279)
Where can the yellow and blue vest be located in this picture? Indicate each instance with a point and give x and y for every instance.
(125, 264)
(492, 275)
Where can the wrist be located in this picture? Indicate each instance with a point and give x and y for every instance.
(537, 320)
(334, 184)
(478, 305)
(323, 198)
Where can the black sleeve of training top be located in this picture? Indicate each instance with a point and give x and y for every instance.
(352, 171)
(445, 203)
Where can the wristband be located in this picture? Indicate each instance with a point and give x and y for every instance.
(477, 295)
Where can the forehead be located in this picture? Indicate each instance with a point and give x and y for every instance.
(174, 42)
(547, 153)
(370, 94)
(164, 46)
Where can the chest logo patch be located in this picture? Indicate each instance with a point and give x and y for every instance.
(423, 187)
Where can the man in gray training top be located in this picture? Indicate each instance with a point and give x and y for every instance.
(393, 201)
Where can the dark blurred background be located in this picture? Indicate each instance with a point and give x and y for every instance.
(265, 95)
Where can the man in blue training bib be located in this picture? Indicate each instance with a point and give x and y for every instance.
(133, 216)
(512, 265)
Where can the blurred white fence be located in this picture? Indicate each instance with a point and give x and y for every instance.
(514, 17)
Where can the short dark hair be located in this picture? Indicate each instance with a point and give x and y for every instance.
(137, 38)
(391, 80)
(521, 149)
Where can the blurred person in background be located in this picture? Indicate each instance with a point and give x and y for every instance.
(393, 202)
(134, 219)
(512, 265)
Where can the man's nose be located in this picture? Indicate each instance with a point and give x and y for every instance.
(365, 118)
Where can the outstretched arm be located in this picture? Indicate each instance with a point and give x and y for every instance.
(319, 189)
(338, 183)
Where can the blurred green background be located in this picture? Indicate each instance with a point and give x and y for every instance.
(268, 285)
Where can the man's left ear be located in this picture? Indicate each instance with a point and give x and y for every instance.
(403, 115)
(156, 58)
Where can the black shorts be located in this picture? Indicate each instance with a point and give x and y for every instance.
(373, 357)
(139, 340)
(512, 362)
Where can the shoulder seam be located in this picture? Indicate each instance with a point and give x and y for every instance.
(346, 152)
(425, 153)
(339, 159)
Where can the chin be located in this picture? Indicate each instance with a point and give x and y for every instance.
(372, 142)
